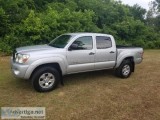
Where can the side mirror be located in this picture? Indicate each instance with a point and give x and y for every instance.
(73, 47)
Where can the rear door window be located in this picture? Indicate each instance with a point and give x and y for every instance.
(103, 42)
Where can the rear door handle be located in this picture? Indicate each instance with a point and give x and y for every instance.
(112, 52)
(91, 53)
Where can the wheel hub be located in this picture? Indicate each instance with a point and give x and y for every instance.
(126, 70)
(46, 80)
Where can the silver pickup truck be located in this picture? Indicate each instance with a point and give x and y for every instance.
(72, 53)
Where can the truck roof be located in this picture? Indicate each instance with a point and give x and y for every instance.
(86, 33)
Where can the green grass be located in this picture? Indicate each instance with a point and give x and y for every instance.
(91, 96)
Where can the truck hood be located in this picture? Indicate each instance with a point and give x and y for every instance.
(36, 48)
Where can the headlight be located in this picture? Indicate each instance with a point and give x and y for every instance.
(21, 58)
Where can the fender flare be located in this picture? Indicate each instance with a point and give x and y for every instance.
(44, 61)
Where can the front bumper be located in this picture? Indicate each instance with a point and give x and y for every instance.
(19, 70)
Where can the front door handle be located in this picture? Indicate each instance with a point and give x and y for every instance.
(112, 52)
(91, 53)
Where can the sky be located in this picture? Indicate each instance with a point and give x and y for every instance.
(142, 3)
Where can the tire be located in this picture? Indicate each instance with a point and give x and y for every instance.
(125, 69)
(45, 79)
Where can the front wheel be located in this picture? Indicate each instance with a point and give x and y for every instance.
(45, 79)
(125, 69)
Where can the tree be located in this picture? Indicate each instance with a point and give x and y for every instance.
(138, 12)
(4, 23)
(33, 27)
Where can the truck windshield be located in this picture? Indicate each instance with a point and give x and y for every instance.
(61, 41)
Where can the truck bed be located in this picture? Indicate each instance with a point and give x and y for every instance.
(125, 47)
(136, 52)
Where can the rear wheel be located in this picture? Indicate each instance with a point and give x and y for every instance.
(125, 69)
(45, 79)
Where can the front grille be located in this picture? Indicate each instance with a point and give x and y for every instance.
(14, 55)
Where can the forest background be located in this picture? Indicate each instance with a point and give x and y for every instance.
(31, 22)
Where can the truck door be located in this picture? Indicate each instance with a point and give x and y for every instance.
(105, 56)
(80, 55)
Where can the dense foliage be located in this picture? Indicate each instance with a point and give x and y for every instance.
(27, 22)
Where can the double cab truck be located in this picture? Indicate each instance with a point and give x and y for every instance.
(45, 65)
